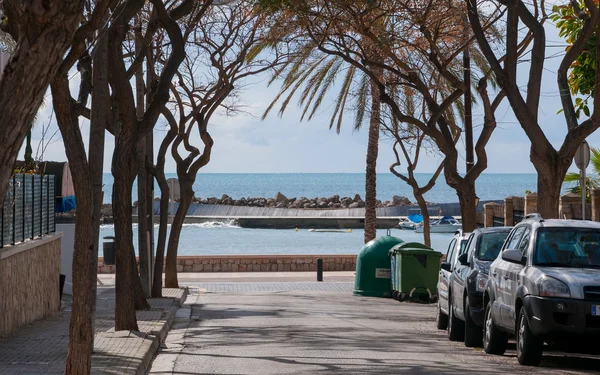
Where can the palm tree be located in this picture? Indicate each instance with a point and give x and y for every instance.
(592, 181)
(318, 73)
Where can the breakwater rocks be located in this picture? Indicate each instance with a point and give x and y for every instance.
(281, 201)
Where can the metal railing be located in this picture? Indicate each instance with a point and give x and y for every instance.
(28, 209)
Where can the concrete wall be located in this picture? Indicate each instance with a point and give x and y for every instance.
(255, 263)
(29, 286)
(209, 210)
(66, 254)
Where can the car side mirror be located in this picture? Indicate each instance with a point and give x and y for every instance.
(514, 256)
(464, 259)
(446, 266)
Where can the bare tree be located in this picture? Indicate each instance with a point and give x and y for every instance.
(550, 163)
(179, 22)
(414, 42)
(85, 255)
(412, 143)
(225, 51)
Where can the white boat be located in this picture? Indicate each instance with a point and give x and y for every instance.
(447, 224)
(412, 221)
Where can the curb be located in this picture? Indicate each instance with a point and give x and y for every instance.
(160, 336)
(164, 362)
(143, 345)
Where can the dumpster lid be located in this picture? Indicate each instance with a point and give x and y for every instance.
(413, 248)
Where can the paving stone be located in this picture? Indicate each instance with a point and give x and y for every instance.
(41, 347)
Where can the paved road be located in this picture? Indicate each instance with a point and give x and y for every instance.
(300, 329)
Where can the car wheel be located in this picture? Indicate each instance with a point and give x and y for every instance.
(456, 331)
(473, 333)
(529, 347)
(494, 340)
(441, 319)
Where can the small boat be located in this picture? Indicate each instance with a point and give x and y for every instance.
(331, 230)
(412, 222)
(446, 224)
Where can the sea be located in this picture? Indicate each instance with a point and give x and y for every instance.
(316, 185)
(227, 238)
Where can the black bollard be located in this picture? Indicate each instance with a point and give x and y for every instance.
(319, 269)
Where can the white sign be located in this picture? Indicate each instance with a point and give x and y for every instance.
(382, 273)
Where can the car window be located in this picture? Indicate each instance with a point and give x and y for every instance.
(451, 246)
(524, 244)
(490, 244)
(567, 247)
(451, 250)
(515, 238)
(469, 244)
(463, 244)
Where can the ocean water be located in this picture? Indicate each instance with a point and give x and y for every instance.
(313, 185)
(226, 238)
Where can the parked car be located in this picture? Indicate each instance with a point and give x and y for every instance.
(458, 244)
(545, 287)
(468, 282)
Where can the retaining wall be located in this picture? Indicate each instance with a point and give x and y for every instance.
(255, 263)
(29, 286)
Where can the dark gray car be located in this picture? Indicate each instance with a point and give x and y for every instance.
(545, 287)
(468, 282)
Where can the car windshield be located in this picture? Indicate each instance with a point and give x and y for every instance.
(490, 245)
(568, 247)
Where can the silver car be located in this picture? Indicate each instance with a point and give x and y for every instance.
(544, 287)
(456, 247)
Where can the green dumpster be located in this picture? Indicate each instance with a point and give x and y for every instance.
(416, 271)
(373, 268)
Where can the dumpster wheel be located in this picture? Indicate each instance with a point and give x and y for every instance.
(410, 296)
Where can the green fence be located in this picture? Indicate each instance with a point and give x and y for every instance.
(28, 209)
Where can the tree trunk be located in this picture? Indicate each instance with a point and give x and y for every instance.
(142, 206)
(371, 167)
(549, 185)
(466, 198)
(142, 214)
(162, 236)
(129, 292)
(98, 121)
(85, 267)
(176, 226)
(426, 220)
(43, 35)
(125, 318)
(85, 259)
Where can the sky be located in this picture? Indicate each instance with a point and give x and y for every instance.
(247, 144)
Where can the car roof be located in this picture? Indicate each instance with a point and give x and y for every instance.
(494, 229)
(462, 236)
(561, 223)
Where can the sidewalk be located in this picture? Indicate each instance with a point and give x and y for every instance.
(41, 347)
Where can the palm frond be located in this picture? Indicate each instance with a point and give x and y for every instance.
(341, 100)
(362, 100)
(332, 74)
